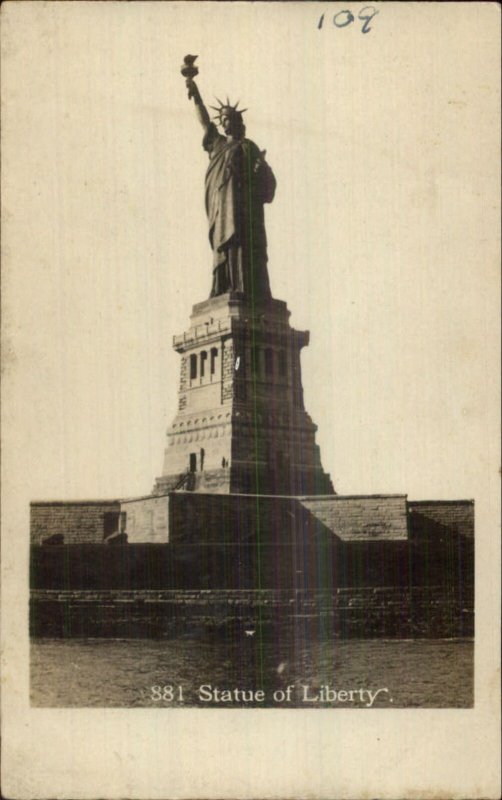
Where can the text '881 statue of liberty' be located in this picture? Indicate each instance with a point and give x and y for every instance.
(238, 184)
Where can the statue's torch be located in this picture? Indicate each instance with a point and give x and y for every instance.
(189, 71)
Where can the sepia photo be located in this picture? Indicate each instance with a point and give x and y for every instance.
(250, 429)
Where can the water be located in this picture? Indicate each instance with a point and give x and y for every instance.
(341, 674)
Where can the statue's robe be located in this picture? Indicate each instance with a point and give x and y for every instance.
(235, 193)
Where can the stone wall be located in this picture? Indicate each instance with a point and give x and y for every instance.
(343, 565)
(182, 397)
(180, 566)
(147, 519)
(381, 517)
(77, 522)
(356, 612)
(228, 370)
(210, 518)
(429, 516)
(314, 564)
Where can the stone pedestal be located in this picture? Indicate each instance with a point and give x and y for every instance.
(241, 425)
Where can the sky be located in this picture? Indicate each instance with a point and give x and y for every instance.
(383, 234)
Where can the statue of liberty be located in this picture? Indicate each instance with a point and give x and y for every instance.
(238, 184)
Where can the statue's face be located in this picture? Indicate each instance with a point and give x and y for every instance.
(232, 125)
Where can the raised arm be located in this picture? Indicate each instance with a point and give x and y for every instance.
(202, 114)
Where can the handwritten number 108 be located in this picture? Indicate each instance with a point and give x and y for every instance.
(344, 18)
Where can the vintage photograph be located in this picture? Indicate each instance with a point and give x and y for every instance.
(250, 269)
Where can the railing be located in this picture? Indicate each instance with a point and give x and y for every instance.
(186, 480)
(202, 331)
(182, 481)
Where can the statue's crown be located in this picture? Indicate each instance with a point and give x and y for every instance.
(227, 109)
